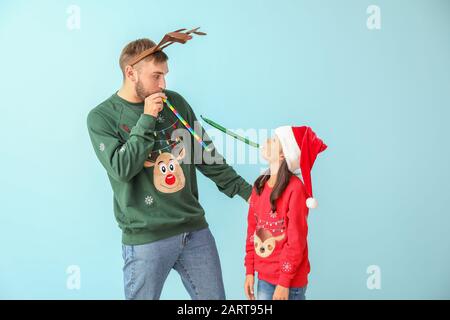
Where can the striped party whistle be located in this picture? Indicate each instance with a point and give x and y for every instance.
(184, 122)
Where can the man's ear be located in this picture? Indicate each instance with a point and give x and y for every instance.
(130, 73)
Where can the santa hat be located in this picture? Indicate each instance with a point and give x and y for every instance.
(301, 147)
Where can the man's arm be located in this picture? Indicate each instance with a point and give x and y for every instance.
(226, 178)
(122, 161)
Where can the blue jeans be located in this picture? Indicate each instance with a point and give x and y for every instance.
(193, 255)
(265, 291)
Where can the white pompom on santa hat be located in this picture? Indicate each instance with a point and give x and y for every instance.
(301, 147)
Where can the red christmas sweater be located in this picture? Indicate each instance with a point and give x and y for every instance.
(276, 245)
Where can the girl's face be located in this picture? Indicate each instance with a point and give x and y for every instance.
(272, 151)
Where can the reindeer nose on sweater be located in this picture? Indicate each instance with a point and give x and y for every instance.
(170, 179)
(262, 249)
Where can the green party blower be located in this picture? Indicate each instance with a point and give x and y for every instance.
(231, 133)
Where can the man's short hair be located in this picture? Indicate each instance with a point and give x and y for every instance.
(136, 47)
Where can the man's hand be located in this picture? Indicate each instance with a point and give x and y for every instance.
(248, 287)
(281, 293)
(154, 104)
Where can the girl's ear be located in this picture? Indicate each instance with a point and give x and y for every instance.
(281, 156)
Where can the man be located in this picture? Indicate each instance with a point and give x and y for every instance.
(155, 187)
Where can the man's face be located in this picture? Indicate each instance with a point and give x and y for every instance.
(150, 78)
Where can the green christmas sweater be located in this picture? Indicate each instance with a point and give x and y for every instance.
(152, 172)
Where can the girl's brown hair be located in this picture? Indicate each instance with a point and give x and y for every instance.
(283, 177)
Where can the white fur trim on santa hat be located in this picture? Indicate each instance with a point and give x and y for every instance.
(291, 150)
(311, 203)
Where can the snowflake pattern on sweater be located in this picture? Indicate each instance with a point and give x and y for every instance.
(149, 200)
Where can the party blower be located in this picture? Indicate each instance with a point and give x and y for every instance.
(210, 122)
(186, 124)
(230, 133)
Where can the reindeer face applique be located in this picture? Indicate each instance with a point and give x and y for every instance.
(168, 176)
(265, 242)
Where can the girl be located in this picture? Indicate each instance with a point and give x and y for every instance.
(276, 245)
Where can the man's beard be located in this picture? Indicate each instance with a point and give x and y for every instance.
(141, 93)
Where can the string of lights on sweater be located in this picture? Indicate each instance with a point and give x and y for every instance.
(274, 226)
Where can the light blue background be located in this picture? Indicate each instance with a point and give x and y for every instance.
(379, 99)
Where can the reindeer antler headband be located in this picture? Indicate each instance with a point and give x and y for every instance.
(169, 38)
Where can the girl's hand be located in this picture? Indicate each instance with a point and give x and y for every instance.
(248, 287)
(281, 293)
